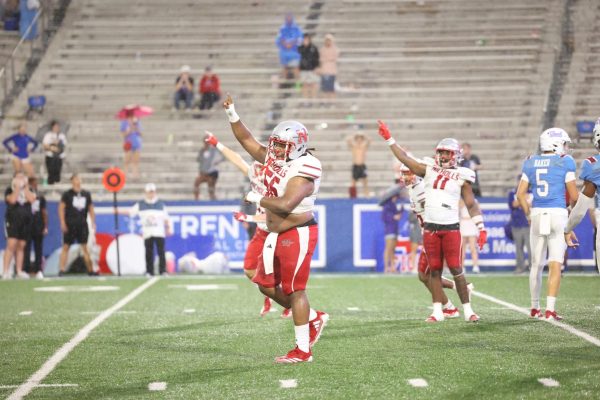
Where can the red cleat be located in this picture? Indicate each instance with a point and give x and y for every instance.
(535, 313)
(473, 318)
(266, 307)
(451, 312)
(552, 316)
(294, 356)
(316, 326)
(433, 319)
(286, 313)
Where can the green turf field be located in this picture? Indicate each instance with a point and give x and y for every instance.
(220, 348)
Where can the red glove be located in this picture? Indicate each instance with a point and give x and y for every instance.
(240, 216)
(384, 131)
(482, 239)
(211, 139)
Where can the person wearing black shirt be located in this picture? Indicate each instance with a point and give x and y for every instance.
(39, 228)
(17, 221)
(473, 162)
(75, 204)
(309, 62)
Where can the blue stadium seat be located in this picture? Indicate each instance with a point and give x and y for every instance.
(585, 130)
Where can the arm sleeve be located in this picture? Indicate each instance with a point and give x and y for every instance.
(6, 141)
(35, 143)
(310, 169)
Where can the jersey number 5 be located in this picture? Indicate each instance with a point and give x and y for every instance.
(542, 185)
(441, 182)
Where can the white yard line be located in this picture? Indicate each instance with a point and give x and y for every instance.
(43, 385)
(26, 313)
(157, 386)
(593, 340)
(35, 379)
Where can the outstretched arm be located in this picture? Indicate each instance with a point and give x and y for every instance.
(257, 150)
(416, 167)
(585, 201)
(229, 154)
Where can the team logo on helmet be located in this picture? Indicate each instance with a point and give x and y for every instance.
(597, 135)
(288, 141)
(448, 153)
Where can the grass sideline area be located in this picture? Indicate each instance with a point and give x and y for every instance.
(203, 337)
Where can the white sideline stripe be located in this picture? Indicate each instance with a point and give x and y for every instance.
(43, 385)
(155, 386)
(549, 382)
(26, 313)
(593, 340)
(353, 309)
(288, 383)
(418, 382)
(189, 311)
(60, 355)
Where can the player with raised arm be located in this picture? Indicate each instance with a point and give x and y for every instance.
(590, 173)
(255, 174)
(291, 178)
(547, 174)
(416, 193)
(445, 183)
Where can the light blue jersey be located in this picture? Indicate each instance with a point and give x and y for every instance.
(547, 175)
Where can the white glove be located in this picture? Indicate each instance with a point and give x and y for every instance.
(253, 197)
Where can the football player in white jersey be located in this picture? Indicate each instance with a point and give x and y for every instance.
(254, 172)
(291, 178)
(416, 194)
(445, 183)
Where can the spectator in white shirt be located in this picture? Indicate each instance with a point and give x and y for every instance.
(155, 226)
(54, 144)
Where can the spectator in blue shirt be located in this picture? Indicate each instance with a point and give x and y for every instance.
(520, 231)
(289, 38)
(390, 215)
(18, 146)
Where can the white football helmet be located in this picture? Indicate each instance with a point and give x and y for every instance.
(596, 138)
(555, 140)
(451, 145)
(291, 140)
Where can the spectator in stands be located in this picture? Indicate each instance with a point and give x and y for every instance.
(75, 205)
(288, 40)
(131, 130)
(519, 227)
(184, 88)
(309, 62)
(54, 144)
(469, 233)
(210, 89)
(472, 161)
(359, 145)
(155, 226)
(18, 146)
(328, 55)
(17, 224)
(39, 228)
(208, 159)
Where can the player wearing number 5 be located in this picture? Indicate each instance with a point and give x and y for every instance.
(445, 184)
(547, 174)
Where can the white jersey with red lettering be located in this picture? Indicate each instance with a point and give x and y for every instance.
(416, 195)
(256, 175)
(443, 187)
(278, 174)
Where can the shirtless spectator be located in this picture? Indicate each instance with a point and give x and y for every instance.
(359, 144)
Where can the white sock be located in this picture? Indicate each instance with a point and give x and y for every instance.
(312, 315)
(437, 311)
(302, 337)
(448, 305)
(535, 304)
(550, 303)
(468, 310)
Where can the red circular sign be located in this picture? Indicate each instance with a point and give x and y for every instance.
(113, 179)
